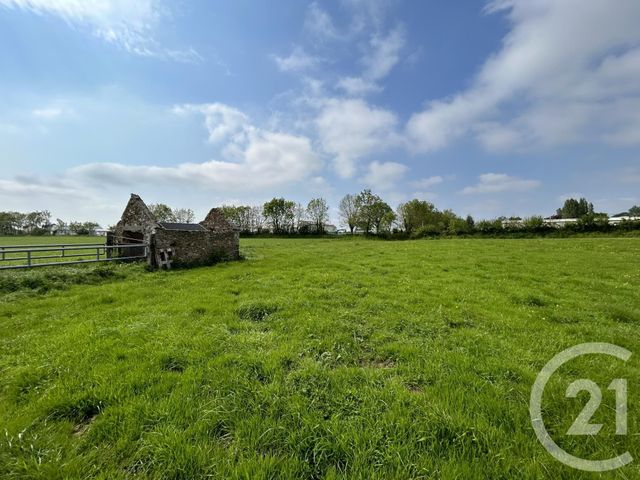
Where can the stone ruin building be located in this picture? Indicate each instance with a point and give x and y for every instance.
(175, 244)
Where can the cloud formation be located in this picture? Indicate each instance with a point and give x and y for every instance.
(500, 182)
(427, 182)
(357, 86)
(47, 113)
(298, 60)
(349, 129)
(567, 71)
(255, 158)
(384, 53)
(124, 23)
(384, 175)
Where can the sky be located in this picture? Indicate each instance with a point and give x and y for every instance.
(503, 107)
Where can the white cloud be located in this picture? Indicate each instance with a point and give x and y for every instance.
(350, 129)
(566, 71)
(33, 186)
(385, 53)
(427, 182)
(124, 23)
(319, 23)
(255, 158)
(357, 86)
(273, 160)
(380, 50)
(47, 113)
(366, 12)
(499, 182)
(222, 121)
(384, 175)
(297, 60)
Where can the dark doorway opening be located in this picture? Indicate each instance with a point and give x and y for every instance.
(129, 238)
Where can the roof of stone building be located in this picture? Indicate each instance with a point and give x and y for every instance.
(191, 227)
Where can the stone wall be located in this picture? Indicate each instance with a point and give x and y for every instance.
(219, 240)
(136, 218)
(191, 248)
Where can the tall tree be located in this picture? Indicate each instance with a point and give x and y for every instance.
(634, 211)
(471, 223)
(240, 216)
(318, 212)
(280, 213)
(573, 208)
(183, 215)
(382, 216)
(418, 213)
(300, 216)
(37, 220)
(371, 211)
(256, 219)
(348, 211)
(162, 212)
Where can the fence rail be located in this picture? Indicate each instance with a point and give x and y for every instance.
(74, 252)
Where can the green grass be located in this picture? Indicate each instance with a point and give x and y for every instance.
(343, 358)
(49, 239)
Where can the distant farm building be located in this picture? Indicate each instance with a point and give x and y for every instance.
(179, 244)
(305, 226)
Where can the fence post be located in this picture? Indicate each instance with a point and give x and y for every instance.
(109, 243)
(62, 255)
(29, 258)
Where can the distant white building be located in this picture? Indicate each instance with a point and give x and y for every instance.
(310, 227)
(560, 222)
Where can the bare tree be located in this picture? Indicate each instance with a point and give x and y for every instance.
(183, 215)
(318, 212)
(162, 212)
(300, 216)
(348, 209)
(256, 219)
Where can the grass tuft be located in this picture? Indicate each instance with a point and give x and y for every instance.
(256, 311)
(171, 363)
(624, 315)
(78, 411)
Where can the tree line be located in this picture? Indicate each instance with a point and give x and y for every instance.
(164, 213)
(39, 223)
(364, 212)
(280, 216)
(367, 213)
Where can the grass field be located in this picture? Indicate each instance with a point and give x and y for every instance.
(19, 257)
(344, 358)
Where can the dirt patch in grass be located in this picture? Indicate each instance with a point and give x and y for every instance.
(384, 363)
(81, 428)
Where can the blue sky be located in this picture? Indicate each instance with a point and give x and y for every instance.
(498, 108)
